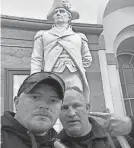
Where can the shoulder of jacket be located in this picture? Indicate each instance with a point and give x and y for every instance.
(83, 36)
(39, 34)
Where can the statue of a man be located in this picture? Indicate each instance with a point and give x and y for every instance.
(61, 50)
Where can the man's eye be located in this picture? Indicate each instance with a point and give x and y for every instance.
(54, 100)
(62, 11)
(64, 107)
(35, 97)
(76, 105)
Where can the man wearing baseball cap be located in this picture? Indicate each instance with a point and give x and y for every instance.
(38, 104)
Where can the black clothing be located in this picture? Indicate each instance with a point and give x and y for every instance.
(96, 138)
(14, 135)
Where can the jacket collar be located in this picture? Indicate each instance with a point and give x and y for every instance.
(59, 33)
(97, 132)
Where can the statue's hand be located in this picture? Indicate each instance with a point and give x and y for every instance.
(58, 144)
(101, 115)
(115, 125)
(86, 62)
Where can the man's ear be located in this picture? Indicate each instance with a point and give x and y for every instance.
(88, 106)
(16, 101)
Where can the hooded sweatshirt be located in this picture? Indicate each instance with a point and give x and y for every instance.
(14, 135)
(96, 138)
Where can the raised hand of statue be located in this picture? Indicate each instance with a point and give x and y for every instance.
(115, 125)
(58, 144)
(101, 115)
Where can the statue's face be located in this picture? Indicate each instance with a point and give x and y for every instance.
(61, 15)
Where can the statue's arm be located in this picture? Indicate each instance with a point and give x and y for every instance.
(86, 55)
(37, 54)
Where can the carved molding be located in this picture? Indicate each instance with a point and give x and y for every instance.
(36, 24)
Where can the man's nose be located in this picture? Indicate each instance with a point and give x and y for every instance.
(58, 13)
(43, 105)
(71, 112)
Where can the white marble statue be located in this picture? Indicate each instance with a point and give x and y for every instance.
(61, 50)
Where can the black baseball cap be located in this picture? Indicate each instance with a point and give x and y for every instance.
(47, 78)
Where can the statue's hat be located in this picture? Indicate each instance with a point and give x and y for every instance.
(62, 4)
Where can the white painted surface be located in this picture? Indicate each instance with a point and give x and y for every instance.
(114, 23)
(124, 34)
(105, 80)
(115, 89)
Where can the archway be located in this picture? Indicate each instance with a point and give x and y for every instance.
(125, 56)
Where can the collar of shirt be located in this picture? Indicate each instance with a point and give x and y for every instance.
(60, 32)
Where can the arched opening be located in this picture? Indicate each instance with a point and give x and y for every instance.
(125, 57)
(126, 72)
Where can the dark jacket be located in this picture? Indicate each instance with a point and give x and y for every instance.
(97, 138)
(14, 135)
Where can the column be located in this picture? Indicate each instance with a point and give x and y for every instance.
(105, 80)
(118, 102)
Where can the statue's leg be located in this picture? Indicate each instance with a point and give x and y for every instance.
(71, 79)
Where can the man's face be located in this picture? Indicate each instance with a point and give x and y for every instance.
(74, 114)
(39, 109)
(61, 16)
